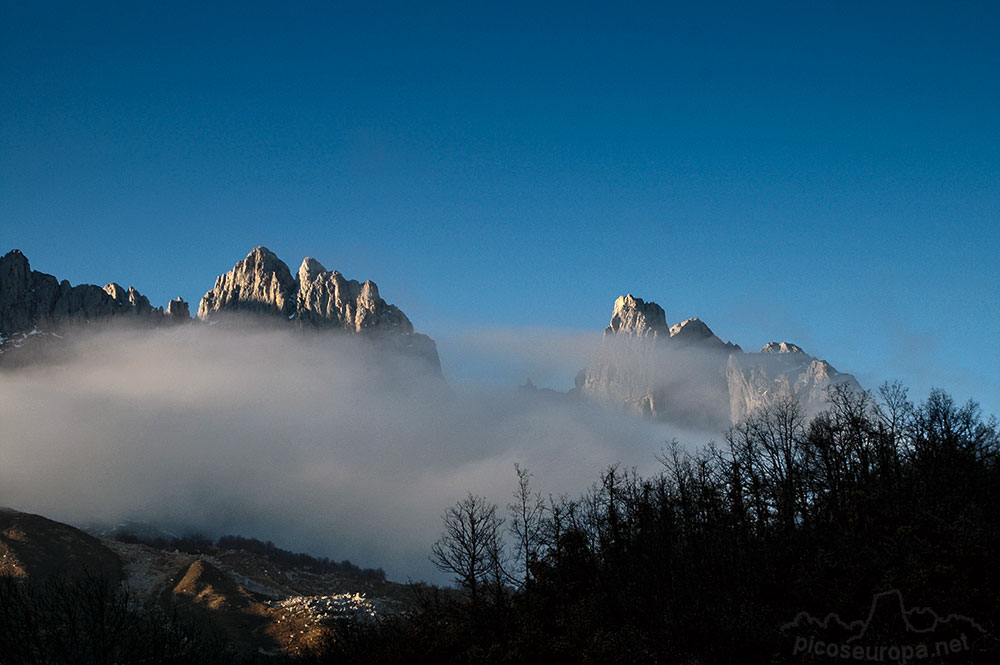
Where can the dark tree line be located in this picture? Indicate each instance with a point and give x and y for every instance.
(87, 621)
(705, 561)
(198, 544)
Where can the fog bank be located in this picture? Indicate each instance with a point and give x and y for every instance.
(317, 442)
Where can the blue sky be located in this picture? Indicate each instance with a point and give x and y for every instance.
(826, 175)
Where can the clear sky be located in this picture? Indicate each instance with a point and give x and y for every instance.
(829, 175)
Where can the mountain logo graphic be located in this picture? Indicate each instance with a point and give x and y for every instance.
(890, 633)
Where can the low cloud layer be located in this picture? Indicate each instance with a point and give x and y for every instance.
(316, 442)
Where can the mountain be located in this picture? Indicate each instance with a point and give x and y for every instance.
(681, 373)
(757, 380)
(35, 306)
(30, 300)
(33, 547)
(259, 598)
(315, 298)
(686, 375)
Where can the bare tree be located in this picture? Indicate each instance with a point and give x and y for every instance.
(471, 546)
(526, 514)
(766, 449)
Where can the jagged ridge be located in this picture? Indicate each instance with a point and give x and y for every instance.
(314, 298)
(686, 374)
(30, 299)
(260, 284)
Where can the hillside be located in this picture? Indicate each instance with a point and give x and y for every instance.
(254, 600)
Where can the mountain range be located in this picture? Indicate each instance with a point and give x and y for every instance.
(681, 373)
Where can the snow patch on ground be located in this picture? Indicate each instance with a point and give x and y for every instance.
(147, 571)
(325, 608)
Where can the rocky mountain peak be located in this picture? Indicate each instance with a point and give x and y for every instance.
(129, 300)
(326, 298)
(691, 372)
(14, 265)
(17, 311)
(32, 302)
(310, 268)
(693, 329)
(265, 260)
(633, 316)
(315, 298)
(783, 347)
(261, 283)
(178, 310)
(30, 299)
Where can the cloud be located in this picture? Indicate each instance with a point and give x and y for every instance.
(317, 442)
(550, 357)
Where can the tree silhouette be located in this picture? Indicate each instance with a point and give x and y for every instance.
(470, 548)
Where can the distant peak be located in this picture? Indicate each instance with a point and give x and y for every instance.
(266, 259)
(259, 283)
(178, 310)
(634, 316)
(783, 347)
(15, 257)
(693, 327)
(310, 267)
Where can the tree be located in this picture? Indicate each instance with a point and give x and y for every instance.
(526, 515)
(471, 547)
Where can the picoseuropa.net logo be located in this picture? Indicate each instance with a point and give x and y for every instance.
(890, 633)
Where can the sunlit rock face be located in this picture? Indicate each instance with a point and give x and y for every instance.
(325, 298)
(129, 301)
(695, 333)
(314, 298)
(259, 284)
(686, 375)
(648, 368)
(757, 380)
(261, 287)
(30, 300)
(178, 311)
(634, 317)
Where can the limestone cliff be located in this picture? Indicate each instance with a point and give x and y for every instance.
(648, 368)
(757, 380)
(30, 299)
(634, 317)
(261, 284)
(325, 298)
(314, 298)
(33, 303)
(687, 375)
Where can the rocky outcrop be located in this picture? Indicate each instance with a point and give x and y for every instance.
(781, 347)
(19, 307)
(632, 316)
(260, 599)
(325, 298)
(178, 311)
(757, 380)
(687, 375)
(129, 300)
(648, 368)
(695, 332)
(314, 298)
(32, 302)
(30, 299)
(260, 284)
